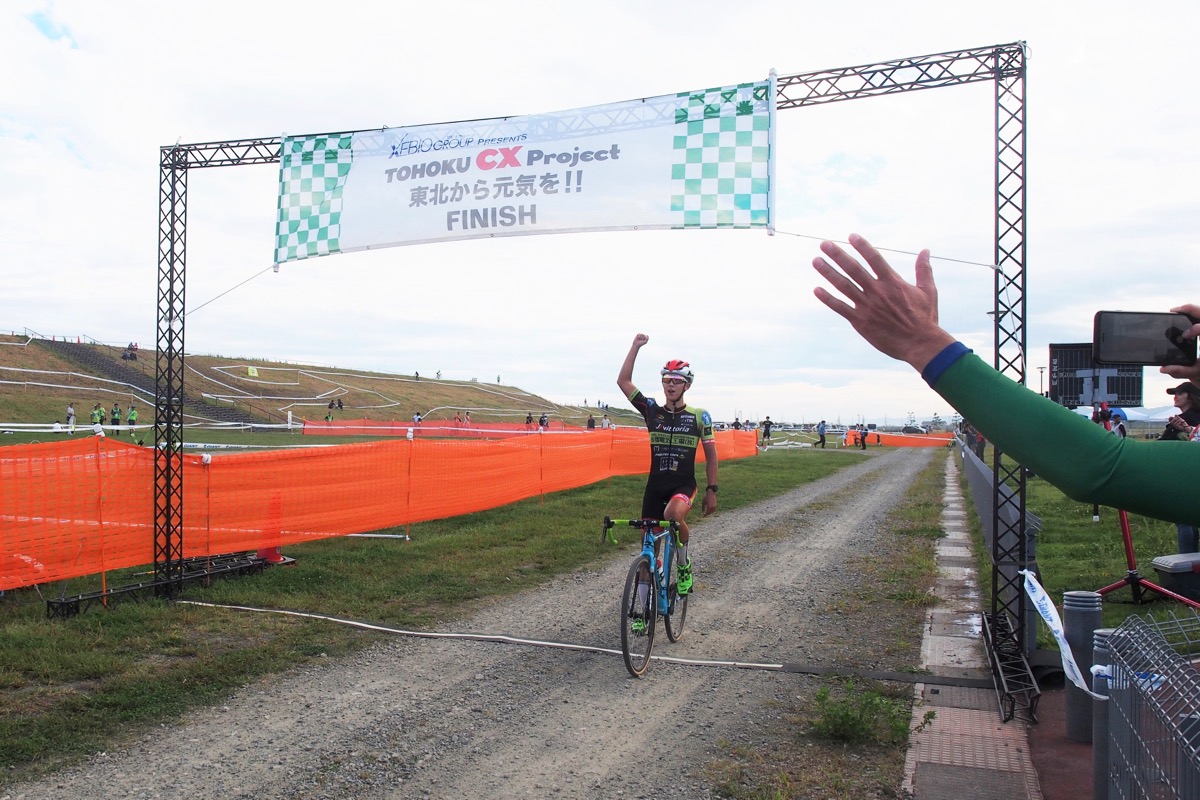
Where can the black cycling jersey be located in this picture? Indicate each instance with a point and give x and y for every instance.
(674, 437)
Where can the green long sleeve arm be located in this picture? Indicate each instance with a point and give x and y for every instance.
(1089, 464)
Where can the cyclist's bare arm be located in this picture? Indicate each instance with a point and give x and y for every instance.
(710, 471)
(625, 376)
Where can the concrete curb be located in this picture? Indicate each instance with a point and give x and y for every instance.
(967, 752)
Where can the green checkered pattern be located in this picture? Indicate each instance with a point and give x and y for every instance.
(312, 172)
(721, 170)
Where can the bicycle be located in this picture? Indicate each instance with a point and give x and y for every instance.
(650, 591)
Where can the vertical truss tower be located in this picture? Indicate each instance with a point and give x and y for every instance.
(1008, 636)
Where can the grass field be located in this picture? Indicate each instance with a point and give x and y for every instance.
(1076, 554)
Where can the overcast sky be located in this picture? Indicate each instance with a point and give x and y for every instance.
(91, 91)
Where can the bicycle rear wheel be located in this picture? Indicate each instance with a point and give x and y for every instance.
(639, 615)
(676, 605)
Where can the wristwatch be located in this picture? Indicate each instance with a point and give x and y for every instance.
(713, 486)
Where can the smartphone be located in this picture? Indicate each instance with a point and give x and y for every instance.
(1130, 337)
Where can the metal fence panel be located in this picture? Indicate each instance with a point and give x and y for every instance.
(1154, 709)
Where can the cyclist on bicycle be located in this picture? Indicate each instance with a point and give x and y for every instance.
(676, 430)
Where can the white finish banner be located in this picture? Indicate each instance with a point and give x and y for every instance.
(698, 159)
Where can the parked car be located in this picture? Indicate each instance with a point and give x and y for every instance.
(913, 429)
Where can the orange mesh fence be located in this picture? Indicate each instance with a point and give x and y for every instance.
(438, 428)
(936, 439)
(86, 505)
(426, 428)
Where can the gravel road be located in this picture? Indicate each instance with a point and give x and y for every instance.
(445, 718)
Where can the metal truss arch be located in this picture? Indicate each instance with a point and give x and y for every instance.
(1008, 632)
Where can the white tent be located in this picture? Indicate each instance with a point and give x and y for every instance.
(1159, 414)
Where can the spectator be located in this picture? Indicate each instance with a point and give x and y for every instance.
(591, 423)
(821, 433)
(339, 404)
(543, 422)
(605, 424)
(70, 418)
(1187, 400)
(331, 405)
(1119, 427)
(417, 418)
(56, 427)
(900, 320)
(737, 426)
(116, 419)
(529, 421)
(1182, 426)
(766, 431)
(1189, 535)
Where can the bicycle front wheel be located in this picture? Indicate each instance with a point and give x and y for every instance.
(639, 615)
(676, 605)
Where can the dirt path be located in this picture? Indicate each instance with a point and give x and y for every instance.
(418, 718)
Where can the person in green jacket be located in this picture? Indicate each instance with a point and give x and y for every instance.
(1089, 464)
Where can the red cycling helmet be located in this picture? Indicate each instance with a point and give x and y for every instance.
(678, 369)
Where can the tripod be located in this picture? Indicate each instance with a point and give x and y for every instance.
(1133, 579)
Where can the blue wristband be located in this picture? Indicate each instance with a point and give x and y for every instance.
(942, 362)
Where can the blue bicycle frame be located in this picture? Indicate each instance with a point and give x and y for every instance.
(654, 531)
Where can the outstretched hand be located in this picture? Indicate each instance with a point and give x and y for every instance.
(1191, 373)
(896, 317)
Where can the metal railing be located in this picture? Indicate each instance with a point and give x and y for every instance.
(1154, 709)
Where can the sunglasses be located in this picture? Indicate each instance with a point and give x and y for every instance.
(673, 381)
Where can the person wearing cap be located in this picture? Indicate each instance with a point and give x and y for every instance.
(900, 319)
(676, 431)
(1182, 425)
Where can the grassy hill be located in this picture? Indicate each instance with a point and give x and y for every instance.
(36, 383)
